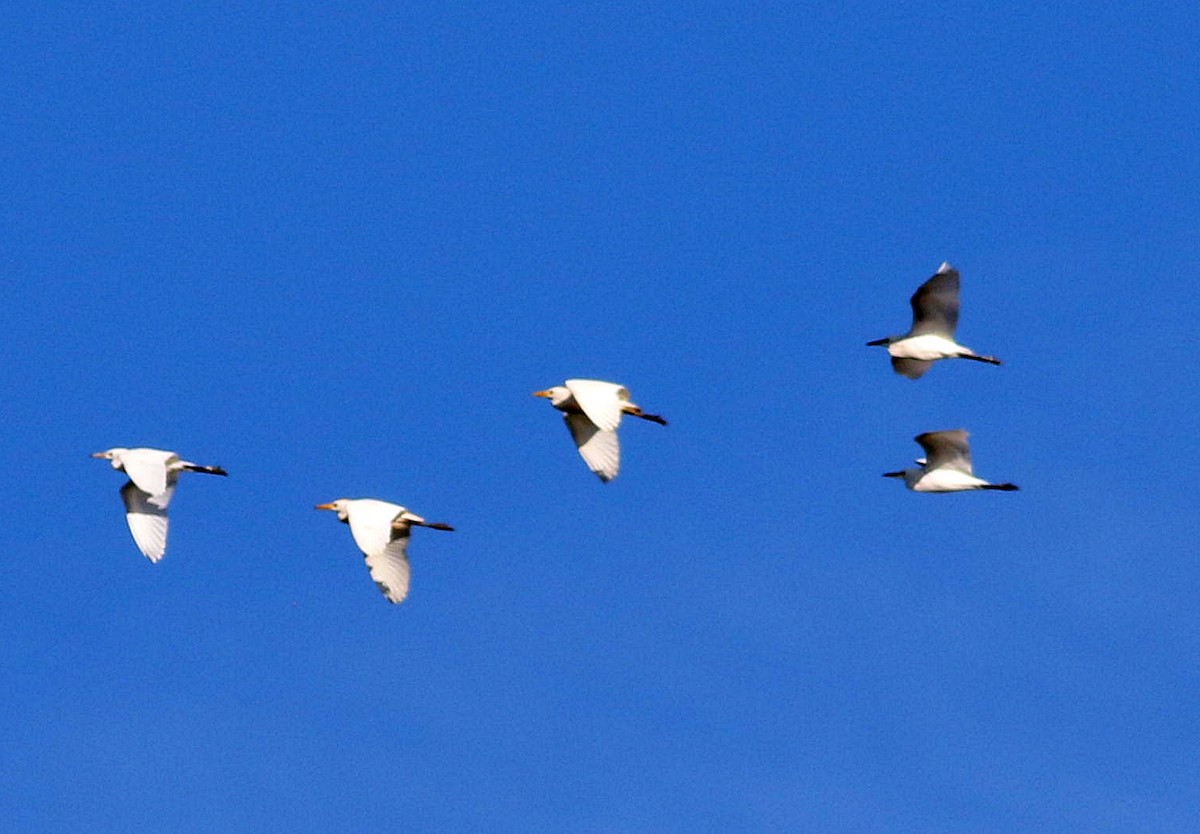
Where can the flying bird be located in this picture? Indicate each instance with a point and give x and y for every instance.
(592, 410)
(935, 317)
(152, 477)
(381, 530)
(946, 466)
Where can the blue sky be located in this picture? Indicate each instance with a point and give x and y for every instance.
(334, 250)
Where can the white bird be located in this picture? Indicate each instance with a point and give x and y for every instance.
(381, 530)
(935, 317)
(592, 410)
(152, 476)
(946, 466)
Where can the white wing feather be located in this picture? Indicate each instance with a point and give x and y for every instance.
(371, 523)
(146, 516)
(389, 567)
(600, 401)
(600, 449)
(385, 547)
(147, 468)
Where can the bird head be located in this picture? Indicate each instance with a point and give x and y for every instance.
(113, 455)
(557, 395)
(341, 506)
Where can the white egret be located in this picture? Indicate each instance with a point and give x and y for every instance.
(935, 317)
(152, 477)
(592, 410)
(381, 530)
(946, 466)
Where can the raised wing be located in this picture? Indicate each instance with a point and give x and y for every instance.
(600, 401)
(146, 516)
(911, 368)
(389, 567)
(935, 304)
(946, 449)
(148, 469)
(599, 449)
(384, 546)
(371, 524)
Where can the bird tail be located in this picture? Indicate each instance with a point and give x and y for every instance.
(210, 470)
(402, 522)
(653, 418)
(1002, 487)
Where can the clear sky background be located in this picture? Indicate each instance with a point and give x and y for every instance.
(334, 250)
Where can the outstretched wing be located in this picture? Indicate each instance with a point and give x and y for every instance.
(384, 546)
(148, 469)
(946, 450)
(935, 304)
(600, 401)
(146, 516)
(389, 567)
(599, 449)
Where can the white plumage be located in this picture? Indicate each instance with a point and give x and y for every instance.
(592, 410)
(153, 474)
(946, 466)
(381, 530)
(935, 318)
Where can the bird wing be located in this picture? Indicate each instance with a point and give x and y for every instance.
(946, 449)
(370, 523)
(935, 304)
(384, 546)
(389, 567)
(146, 516)
(147, 468)
(911, 368)
(600, 449)
(600, 401)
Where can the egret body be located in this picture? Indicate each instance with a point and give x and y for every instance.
(152, 477)
(592, 410)
(381, 530)
(946, 466)
(935, 318)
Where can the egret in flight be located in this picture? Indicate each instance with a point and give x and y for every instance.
(946, 466)
(152, 476)
(935, 317)
(381, 530)
(592, 411)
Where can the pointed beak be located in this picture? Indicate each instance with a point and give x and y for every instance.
(877, 342)
(98, 454)
(323, 507)
(899, 474)
(541, 393)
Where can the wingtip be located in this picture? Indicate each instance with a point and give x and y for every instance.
(945, 267)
